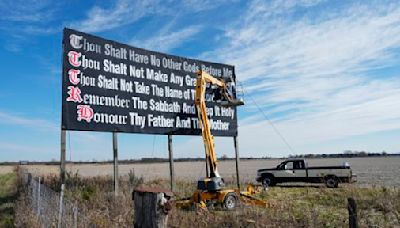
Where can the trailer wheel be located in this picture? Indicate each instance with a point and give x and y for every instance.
(230, 201)
(331, 182)
(268, 181)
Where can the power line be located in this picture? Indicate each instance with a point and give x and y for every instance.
(266, 117)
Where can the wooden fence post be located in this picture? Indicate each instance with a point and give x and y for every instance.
(352, 207)
(75, 210)
(60, 211)
(151, 207)
(38, 198)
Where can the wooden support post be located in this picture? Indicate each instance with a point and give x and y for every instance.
(62, 158)
(236, 144)
(151, 206)
(115, 152)
(171, 163)
(352, 207)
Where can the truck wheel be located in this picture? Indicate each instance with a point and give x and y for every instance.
(230, 201)
(331, 182)
(268, 181)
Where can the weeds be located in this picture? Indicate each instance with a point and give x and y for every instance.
(291, 206)
(8, 194)
(134, 181)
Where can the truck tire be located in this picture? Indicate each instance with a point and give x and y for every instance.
(268, 181)
(331, 182)
(230, 201)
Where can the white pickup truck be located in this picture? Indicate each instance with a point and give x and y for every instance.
(297, 170)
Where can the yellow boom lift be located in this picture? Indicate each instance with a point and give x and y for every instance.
(211, 189)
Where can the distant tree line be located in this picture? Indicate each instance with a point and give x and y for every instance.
(224, 157)
(125, 161)
(345, 154)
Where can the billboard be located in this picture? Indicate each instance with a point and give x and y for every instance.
(112, 87)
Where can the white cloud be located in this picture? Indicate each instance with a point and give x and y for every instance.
(26, 10)
(15, 119)
(195, 6)
(33, 17)
(324, 71)
(269, 46)
(7, 147)
(39, 30)
(8, 118)
(124, 12)
(168, 40)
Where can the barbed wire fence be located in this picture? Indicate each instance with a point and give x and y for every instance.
(52, 208)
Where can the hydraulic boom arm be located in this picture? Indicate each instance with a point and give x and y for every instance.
(211, 189)
(202, 79)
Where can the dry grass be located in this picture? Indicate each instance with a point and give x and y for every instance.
(293, 206)
(8, 194)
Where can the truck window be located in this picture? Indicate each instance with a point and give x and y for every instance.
(289, 165)
(298, 165)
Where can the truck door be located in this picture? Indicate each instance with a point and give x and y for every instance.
(286, 173)
(299, 171)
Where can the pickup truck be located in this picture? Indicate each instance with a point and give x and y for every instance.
(297, 170)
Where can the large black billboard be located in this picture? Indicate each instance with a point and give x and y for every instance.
(113, 87)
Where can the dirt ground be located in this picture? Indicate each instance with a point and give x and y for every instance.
(383, 171)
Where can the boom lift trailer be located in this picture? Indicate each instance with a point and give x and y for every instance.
(211, 189)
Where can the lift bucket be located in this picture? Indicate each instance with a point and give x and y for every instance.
(231, 103)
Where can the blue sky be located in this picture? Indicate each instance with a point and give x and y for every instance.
(326, 73)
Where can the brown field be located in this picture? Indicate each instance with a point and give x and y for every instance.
(290, 206)
(380, 171)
